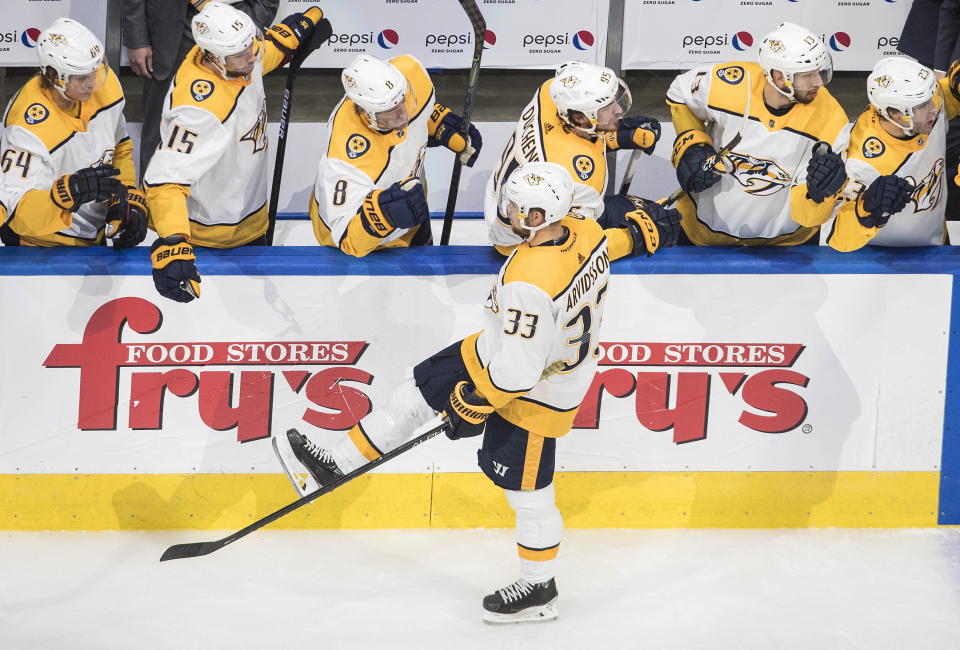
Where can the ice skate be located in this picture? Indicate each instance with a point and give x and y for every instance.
(522, 601)
(308, 466)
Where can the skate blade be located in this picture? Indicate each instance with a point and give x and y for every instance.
(299, 477)
(538, 614)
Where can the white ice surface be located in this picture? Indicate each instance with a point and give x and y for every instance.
(823, 589)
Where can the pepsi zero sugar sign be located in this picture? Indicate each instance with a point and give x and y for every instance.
(520, 33)
(679, 34)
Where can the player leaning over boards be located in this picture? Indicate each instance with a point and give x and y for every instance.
(897, 188)
(207, 183)
(518, 382)
(770, 189)
(574, 119)
(367, 194)
(64, 144)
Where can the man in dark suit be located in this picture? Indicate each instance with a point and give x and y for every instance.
(157, 36)
(920, 26)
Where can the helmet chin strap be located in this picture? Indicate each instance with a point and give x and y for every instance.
(907, 130)
(792, 95)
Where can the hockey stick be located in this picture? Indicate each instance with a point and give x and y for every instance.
(628, 174)
(716, 162)
(196, 549)
(320, 34)
(479, 33)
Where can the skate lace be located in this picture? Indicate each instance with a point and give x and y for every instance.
(318, 452)
(516, 591)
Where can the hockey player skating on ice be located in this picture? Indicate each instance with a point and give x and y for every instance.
(896, 193)
(770, 189)
(574, 119)
(367, 194)
(518, 382)
(207, 183)
(67, 157)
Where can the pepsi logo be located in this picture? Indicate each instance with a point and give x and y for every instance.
(388, 39)
(29, 36)
(839, 41)
(489, 39)
(583, 40)
(742, 41)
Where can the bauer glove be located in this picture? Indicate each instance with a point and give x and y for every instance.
(127, 218)
(690, 172)
(399, 206)
(886, 196)
(301, 33)
(85, 185)
(174, 269)
(447, 127)
(466, 411)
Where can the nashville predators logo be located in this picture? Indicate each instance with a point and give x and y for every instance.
(884, 80)
(357, 145)
(258, 132)
(872, 147)
(775, 46)
(106, 158)
(570, 81)
(758, 176)
(533, 180)
(928, 191)
(35, 113)
(732, 75)
(201, 27)
(58, 39)
(584, 166)
(201, 89)
(349, 81)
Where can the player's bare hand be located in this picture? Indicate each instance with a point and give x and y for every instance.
(141, 61)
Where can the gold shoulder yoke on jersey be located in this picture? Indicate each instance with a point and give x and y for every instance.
(584, 159)
(418, 79)
(552, 268)
(355, 143)
(195, 85)
(870, 143)
(36, 112)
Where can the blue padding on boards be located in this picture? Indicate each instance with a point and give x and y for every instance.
(949, 510)
(452, 260)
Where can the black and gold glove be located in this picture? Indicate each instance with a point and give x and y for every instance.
(71, 191)
(467, 412)
(174, 269)
(127, 218)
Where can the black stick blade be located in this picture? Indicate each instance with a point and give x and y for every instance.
(195, 549)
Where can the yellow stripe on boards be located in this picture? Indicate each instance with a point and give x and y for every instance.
(470, 500)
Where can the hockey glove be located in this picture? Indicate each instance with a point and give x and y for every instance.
(446, 127)
(174, 269)
(295, 32)
(85, 185)
(127, 218)
(467, 412)
(886, 196)
(826, 175)
(690, 172)
(653, 227)
(635, 133)
(402, 205)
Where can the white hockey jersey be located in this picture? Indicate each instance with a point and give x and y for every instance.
(41, 142)
(538, 352)
(540, 136)
(873, 153)
(762, 198)
(208, 178)
(359, 160)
